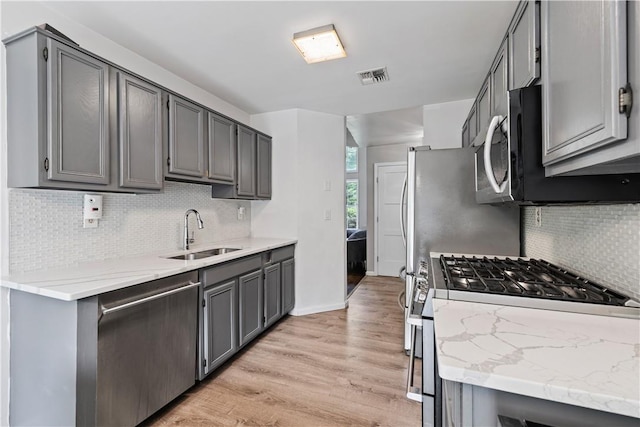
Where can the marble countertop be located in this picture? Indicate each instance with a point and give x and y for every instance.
(93, 278)
(578, 359)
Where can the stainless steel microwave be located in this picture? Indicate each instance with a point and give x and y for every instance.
(509, 163)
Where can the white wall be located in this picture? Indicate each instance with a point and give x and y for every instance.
(308, 152)
(18, 16)
(443, 123)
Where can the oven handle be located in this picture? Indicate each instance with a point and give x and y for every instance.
(413, 393)
(488, 168)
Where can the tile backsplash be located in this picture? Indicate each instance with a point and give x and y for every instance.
(46, 231)
(600, 242)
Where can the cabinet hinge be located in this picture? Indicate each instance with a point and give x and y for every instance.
(378, 258)
(46, 164)
(204, 363)
(537, 54)
(625, 100)
(168, 161)
(204, 302)
(45, 53)
(167, 104)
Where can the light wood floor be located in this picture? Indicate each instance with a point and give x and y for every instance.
(345, 367)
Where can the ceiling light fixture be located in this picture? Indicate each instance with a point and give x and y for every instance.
(319, 44)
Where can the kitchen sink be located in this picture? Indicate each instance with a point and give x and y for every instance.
(204, 254)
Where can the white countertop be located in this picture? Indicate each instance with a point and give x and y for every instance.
(578, 359)
(89, 279)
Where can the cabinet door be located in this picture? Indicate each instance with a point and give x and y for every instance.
(78, 116)
(264, 167)
(250, 315)
(222, 145)
(524, 45)
(499, 82)
(186, 137)
(139, 133)
(288, 285)
(220, 324)
(484, 108)
(246, 184)
(465, 134)
(473, 122)
(272, 298)
(584, 63)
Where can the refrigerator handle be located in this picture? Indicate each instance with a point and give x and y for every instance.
(488, 168)
(402, 221)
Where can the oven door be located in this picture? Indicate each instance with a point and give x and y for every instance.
(493, 164)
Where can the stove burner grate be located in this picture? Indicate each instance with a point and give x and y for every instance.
(519, 277)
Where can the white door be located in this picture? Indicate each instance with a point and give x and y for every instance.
(389, 249)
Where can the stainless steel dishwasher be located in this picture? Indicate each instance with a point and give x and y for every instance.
(147, 337)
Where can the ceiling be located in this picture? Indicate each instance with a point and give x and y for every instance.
(388, 127)
(241, 51)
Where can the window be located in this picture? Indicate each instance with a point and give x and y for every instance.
(352, 159)
(352, 203)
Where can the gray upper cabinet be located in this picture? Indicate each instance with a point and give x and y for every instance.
(524, 45)
(78, 116)
(582, 73)
(250, 306)
(139, 133)
(288, 285)
(483, 108)
(263, 184)
(272, 297)
(499, 81)
(465, 133)
(220, 323)
(186, 138)
(222, 146)
(473, 122)
(246, 163)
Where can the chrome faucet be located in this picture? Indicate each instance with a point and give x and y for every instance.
(187, 239)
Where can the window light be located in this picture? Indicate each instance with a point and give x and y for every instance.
(319, 44)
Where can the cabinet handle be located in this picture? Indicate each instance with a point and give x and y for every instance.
(104, 311)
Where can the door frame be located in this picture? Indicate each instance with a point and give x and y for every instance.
(376, 200)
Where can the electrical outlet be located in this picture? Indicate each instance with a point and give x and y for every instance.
(538, 216)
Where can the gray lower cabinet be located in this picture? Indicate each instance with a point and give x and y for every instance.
(139, 133)
(186, 138)
(220, 322)
(524, 45)
(288, 285)
(251, 306)
(272, 297)
(222, 149)
(583, 73)
(246, 163)
(263, 172)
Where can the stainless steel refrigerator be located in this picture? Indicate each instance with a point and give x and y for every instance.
(442, 216)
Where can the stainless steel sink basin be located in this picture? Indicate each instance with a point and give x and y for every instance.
(204, 254)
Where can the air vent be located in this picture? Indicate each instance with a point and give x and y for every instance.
(370, 77)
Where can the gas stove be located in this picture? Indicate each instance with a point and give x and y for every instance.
(524, 282)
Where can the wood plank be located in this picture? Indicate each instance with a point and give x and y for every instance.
(345, 367)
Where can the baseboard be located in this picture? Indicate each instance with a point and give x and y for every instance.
(317, 309)
(371, 273)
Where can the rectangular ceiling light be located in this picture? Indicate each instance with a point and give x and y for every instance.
(319, 44)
